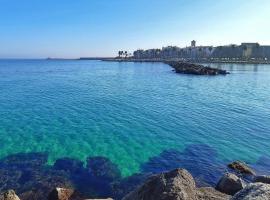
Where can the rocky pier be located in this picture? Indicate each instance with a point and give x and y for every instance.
(178, 66)
(190, 68)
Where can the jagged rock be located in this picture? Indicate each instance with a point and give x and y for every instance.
(61, 194)
(9, 195)
(230, 184)
(262, 179)
(241, 167)
(174, 185)
(209, 193)
(254, 191)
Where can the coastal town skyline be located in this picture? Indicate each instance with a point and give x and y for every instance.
(246, 51)
(69, 29)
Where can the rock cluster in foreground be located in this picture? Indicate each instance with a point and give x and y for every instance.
(179, 184)
(174, 185)
(190, 68)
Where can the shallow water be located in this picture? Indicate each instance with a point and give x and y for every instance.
(141, 116)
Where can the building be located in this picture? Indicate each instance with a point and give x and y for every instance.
(243, 52)
(193, 43)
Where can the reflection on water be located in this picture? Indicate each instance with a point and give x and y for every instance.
(241, 67)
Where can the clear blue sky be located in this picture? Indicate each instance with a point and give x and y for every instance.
(75, 28)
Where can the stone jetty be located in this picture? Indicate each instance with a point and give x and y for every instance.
(179, 66)
(190, 68)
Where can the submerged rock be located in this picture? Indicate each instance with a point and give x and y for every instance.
(9, 179)
(25, 160)
(32, 179)
(199, 159)
(102, 167)
(190, 68)
(177, 184)
(128, 184)
(241, 167)
(262, 179)
(230, 184)
(9, 195)
(254, 191)
(209, 193)
(68, 164)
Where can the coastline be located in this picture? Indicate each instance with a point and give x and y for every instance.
(110, 59)
(192, 61)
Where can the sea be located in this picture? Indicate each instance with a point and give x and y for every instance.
(137, 118)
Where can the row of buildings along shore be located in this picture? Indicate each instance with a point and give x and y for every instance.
(233, 52)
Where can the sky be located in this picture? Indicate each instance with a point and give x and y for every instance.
(85, 28)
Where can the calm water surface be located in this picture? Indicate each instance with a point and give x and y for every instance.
(142, 116)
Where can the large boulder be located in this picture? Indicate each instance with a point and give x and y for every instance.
(9, 195)
(61, 194)
(241, 167)
(209, 193)
(99, 199)
(174, 185)
(230, 184)
(67, 194)
(254, 191)
(262, 179)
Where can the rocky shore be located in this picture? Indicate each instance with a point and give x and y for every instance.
(179, 184)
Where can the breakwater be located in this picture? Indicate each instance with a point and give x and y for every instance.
(190, 68)
(179, 66)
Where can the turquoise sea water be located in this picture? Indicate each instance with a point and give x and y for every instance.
(132, 112)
